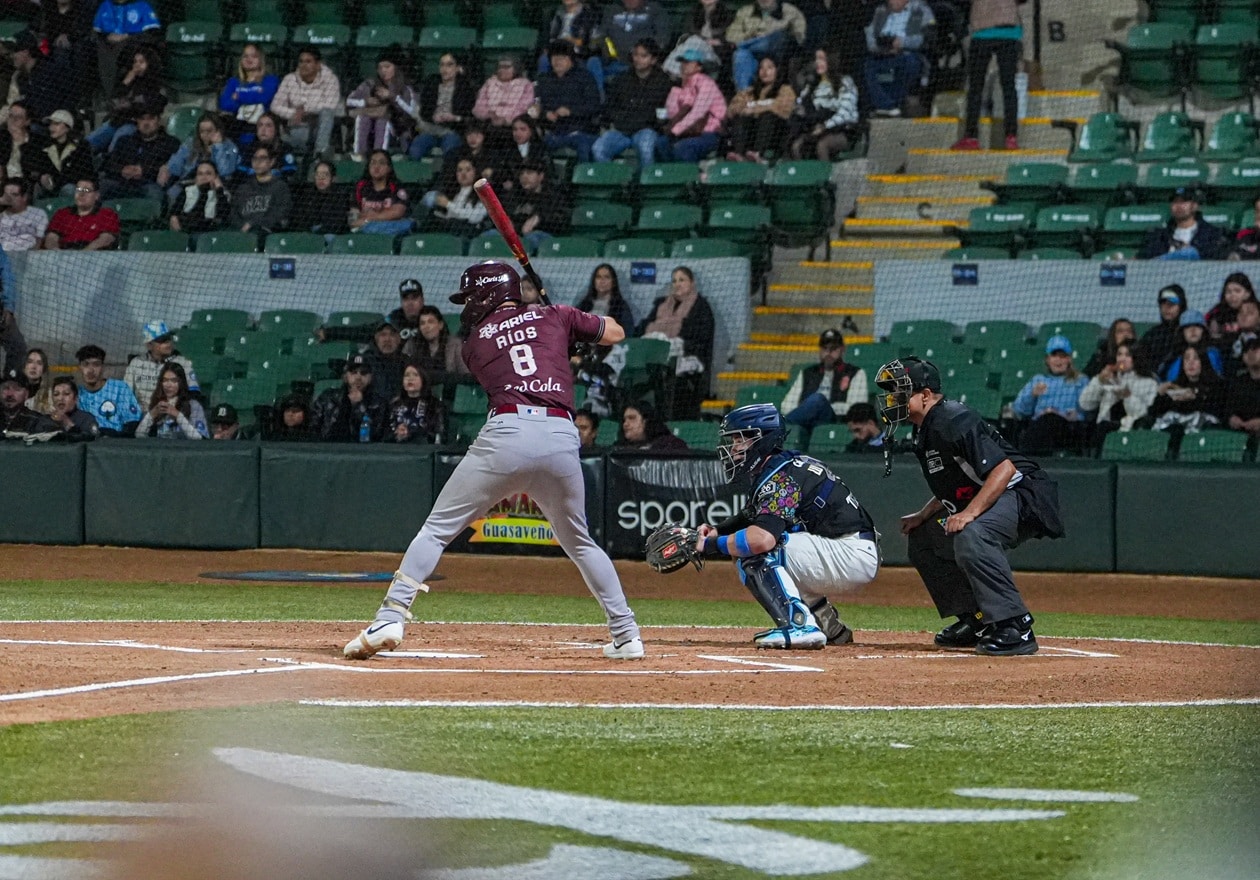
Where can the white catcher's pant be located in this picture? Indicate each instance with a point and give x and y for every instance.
(518, 452)
(824, 567)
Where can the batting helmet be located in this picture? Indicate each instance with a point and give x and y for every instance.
(483, 288)
(748, 436)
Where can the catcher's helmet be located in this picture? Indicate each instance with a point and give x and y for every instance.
(901, 378)
(748, 436)
(483, 288)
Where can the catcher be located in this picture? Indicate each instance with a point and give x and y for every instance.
(801, 538)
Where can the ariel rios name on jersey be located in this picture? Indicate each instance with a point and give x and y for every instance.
(511, 329)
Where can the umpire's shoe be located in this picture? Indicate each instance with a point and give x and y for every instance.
(966, 633)
(379, 636)
(1009, 638)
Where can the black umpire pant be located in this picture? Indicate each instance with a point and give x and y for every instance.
(968, 571)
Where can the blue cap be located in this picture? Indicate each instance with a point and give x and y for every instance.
(1058, 342)
(692, 54)
(1192, 318)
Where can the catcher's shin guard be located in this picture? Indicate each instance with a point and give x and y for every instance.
(774, 590)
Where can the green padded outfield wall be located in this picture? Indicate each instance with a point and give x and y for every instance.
(43, 493)
(167, 493)
(344, 497)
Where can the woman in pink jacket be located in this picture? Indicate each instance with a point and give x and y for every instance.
(694, 112)
(504, 96)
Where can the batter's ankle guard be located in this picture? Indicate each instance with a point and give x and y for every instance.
(399, 607)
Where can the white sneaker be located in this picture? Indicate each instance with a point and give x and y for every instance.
(799, 638)
(631, 649)
(379, 636)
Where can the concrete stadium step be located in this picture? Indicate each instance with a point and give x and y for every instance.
(992, 163)
(775, 324)
(815, 273)
(953, 209)
(777, 359)
(878, 226)
(862, 249)
(807, 339)
(1051, 104)
(1035, 133)
(924, 186)
(853, 296)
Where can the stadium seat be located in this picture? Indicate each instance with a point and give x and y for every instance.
(291, 323)
(351, 318)
(1084, 335)
(271, 36)
(569, 246)
(431, 244)
(703, 248)
(1014, 367)
(727, 182)
(1234, 182)
(1103, 184)
(135, 214)
(227, 242)
(608, 431)
(1105, 137)
(747, 227)
(1213, 446)
(347, 170)
(966, 254)
(1049, 253)
(277, 373)
(697, 434)
(671, 182)
(362, 243)
(1127, 227)
(263, 11)
(323, 11)
(667, 222)
(182, 121)
(377, 12)
(1233, 137)
(870, 355)
(489, 246)
(1035, 182)
(1183, 12)
(981, 337)
(435, 40)
(1135, 446)
(328, 359)
(596, 181)
(749, 394)
(415, 174)
(503, 15)
(521, 41)
(246, 344)
(1154, 60)
(957, 376)
(996, 226)
(157, 241)
(225, 320)
(333, 41)
(1226, 216)
(600, 220)
(1170, 137)
(192, 55)
(827, 441)
(636, 249)
(294, 243)
(986, 401)
(646, 368)
(1232, 11)
(1065, 227)
(371, 39)
(468, 412)
(909, 333)
(802, 204)
(442, 13)
(1223, 55)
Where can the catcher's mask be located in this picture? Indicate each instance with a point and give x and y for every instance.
(483, 288)
(748, 436)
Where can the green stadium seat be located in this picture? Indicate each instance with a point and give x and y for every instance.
(608, 431)
(244, 395)
(1223, 56)
(802, 204)
(348, 170)
(1163, 178)
(1049, 253)
(1233, 137)
(728, 182)
(986, 401)
(503, 15)
(415, 174)
(434, 40)
(489, 246)
(1225, 216)
(955, 377)
(636, 249)
(671, 182)
(667, 222)
(244, 343)
(372, 38)
(1035, 182)
(907, 332)
(271, 36)
(363, 243)
(1170, 137)
(1084, 335)
(182, 121)
(1153, 59)
(333, 41)
(351, 318)
(703, 249)
(468, 412)
(53, 205)
(453, 321)
(1231, 11)
(157, 241)
(262, 11)
(1115, 255)
(138, 213)
(749, 394)
(1067, 227)
(966, 254)
(600, 220)
(277, 373)
(1105, 137)
(1014, 367)
(520, 41)
(1213, 446)
(1183, 12)
(569, 246)
(646, 367)
(1135, 446)
(1103, 184)
(870, 355)
(192, 55)
(1235, 182)
(747, 227)
(985, 335)
(431, 244)
(597, 181)
(1127, 227)
(328, 359)
(828, 441)
(294, 243)
(227, 242)
(377, 12)
(697, 434)
(323, 11)
(442, 12)
(288, 322)
(996, 226)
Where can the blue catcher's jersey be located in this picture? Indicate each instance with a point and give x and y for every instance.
(796, 493)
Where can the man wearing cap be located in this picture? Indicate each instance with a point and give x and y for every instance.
(1161, 340)
(85, 225)
(387, 360)
(14, 415)
(823, 392)
(110, 401)
(353, 413)
(694, 111)
(986, 499)
(1186, 236)
(632, 107)
(22, 227)
(407, 316)
(566, 102)
(1242, 392)
(225, 424)
(64, 159)
(132, 166)
(142, 370)
(537, 209)
(1051, 403)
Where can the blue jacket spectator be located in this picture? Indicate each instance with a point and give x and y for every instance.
(568, 102)
(118, 22)
(247, 95)
(1052, 400)
(207, 142)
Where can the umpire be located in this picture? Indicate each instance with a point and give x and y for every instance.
(992, 499)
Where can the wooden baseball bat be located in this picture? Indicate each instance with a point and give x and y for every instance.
(503, 223)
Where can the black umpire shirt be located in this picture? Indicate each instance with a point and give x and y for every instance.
(797, 493)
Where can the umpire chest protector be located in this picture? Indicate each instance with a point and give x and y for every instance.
(804, 495)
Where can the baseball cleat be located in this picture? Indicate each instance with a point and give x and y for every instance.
(630, 649)
(796, 638)
(965, 633)
(379, 636)
(1009, 638)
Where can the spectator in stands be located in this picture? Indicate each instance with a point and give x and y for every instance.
(527, 143)
(1120, 332)
(110, 401)
(621, 26)
(138, 86)
(11, 339)
(826, 112)
(1050, 402)
(415, 415)
(309, 101)
(132, 168)
(1247, 241)
(436, 351)
(1165, 337)
(143, 369)
(757, 117)
(120, 24)
(407, 316)
(15, 416)
(503, 97)
(1222, 318)
(823, 392)
(635, 104)
(84, 226)
(567, 100)
(20, 148)
(995, 32)
(1248, 329)
(642, 428)
(321, 206)
(455, 208)
(66, 413)
(173, 414)
(383, 108)
(1193, 335)
(864, 427)
(445, 101)
(694, 112)
(209, 143)
(587, 424)
(262, 203)
(291, 422)
(895, 40)
(38, 381)
(475, 149)
(65, 157)
(67, 26)
(225, 423)
(44, 82)
(576, 24)
(387, 358)
(354, 412)
(1192, 402)
(203, 205)
(538, 209)
(380, 202)
(603, 296)
(763, 28)
(22, 227)
(709, 20)
(1119, 394)
(1187, 236)
(1242, 393)
(267, 132)
(247, 95)
(684, 318)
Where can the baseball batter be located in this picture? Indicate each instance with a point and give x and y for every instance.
(520, 355)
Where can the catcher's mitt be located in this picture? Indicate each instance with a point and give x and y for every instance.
(671, 547)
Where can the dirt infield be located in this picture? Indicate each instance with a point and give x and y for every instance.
(78, 670)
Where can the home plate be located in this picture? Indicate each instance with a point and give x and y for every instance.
(429, 655)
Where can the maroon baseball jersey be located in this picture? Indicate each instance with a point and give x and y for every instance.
(521, 355)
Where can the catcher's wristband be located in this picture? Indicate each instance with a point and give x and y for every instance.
(723, 544)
